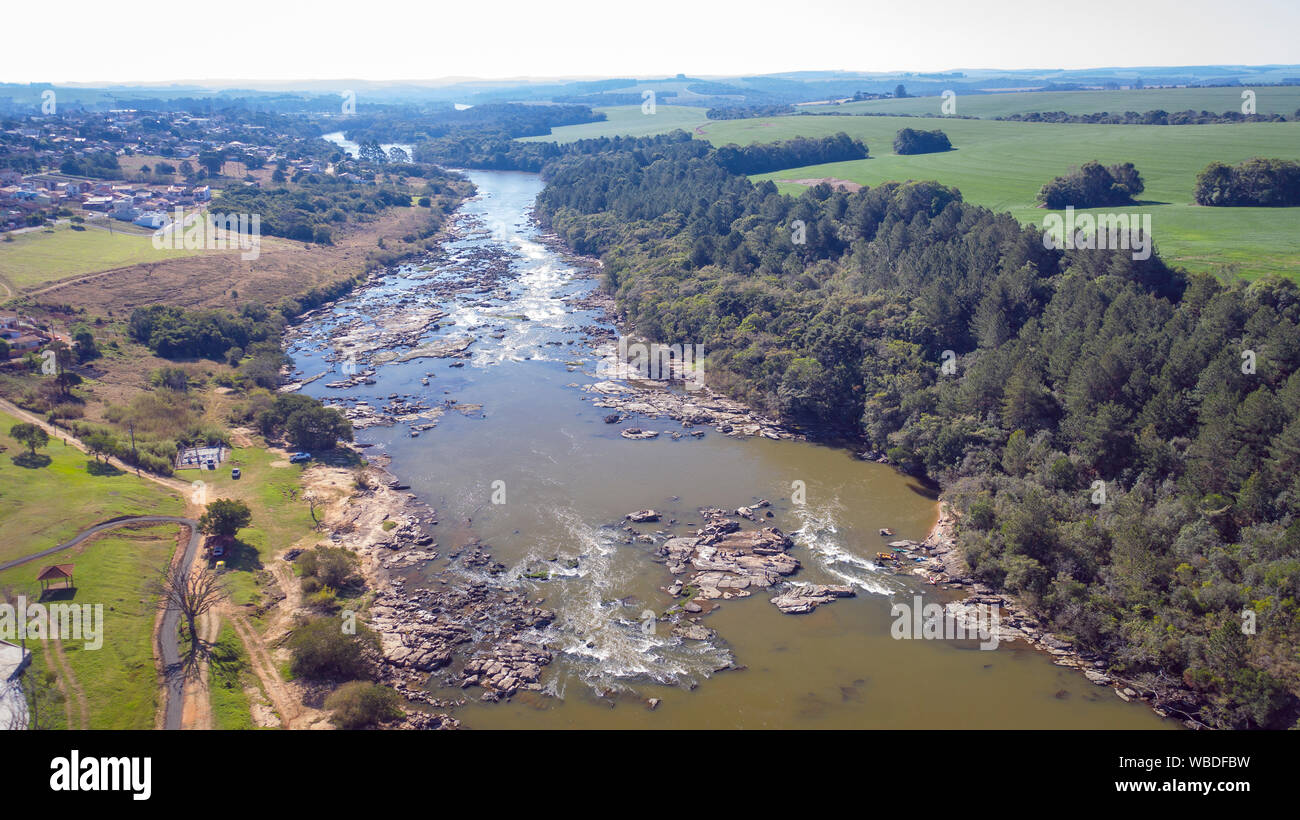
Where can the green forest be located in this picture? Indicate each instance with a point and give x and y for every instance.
(1121, 439)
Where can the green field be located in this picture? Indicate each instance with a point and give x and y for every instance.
(44, 506)
(115, 570)
(229, 671)
(1268, 100)
(628, 121)
(40, 257)
(1002, 165)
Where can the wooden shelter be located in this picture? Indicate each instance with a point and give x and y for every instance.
(54, 573)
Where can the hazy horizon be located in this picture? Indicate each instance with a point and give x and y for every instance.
(408, 43)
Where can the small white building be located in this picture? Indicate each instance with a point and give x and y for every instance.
(13, 703)
(152, 219)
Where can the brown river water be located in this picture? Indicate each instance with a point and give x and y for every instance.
(567, 479)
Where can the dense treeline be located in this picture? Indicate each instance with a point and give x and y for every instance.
(312, 211)
(97, 164)
(509, 119)
(1093, 186)
(1267, 182)
(1152, 117)
(304, 422)
(1181, 396)
(742, 112)
(912, 141)
(176, 333)
(792, 153)
(496, 151)
(173, 332)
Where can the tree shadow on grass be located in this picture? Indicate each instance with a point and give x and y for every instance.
(32, 461)
(102, 468)
(241, 556)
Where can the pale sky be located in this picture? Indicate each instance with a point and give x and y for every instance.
(98, 41)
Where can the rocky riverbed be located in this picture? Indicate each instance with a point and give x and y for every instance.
(467, 630)
(722, 560)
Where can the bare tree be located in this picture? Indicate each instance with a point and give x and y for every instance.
(312, 501)
(192, 594)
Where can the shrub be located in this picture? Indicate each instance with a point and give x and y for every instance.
(1261, 182)
(1093, 186)
(321, 650)
(361, 705)
(333, 567)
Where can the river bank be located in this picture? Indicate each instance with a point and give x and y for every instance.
(945, 566)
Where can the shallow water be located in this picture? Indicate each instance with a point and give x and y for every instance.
(567, 479)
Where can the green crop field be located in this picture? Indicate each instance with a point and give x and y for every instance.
(1002, 165)
(39, 257)
(629, 121)
(1268, 100)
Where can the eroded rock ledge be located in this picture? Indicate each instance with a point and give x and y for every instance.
(725, 562)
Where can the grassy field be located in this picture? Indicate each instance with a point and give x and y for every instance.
(44, 506)
(628, 121)
(228, 673)
(1271, 100)
(40, 257)
(1002, 165)
(118, 680)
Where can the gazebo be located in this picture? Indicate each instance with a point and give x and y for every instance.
(56, 572)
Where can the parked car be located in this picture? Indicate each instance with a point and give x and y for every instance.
(298, 457)
(234, 473)
(212, 465)
(219, 550)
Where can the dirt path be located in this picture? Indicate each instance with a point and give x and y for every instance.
(286, 702)
(58, 663)
(285, 698)
(79, 280)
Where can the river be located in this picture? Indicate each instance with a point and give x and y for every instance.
(529, 437)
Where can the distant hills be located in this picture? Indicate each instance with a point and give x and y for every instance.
(681, 89)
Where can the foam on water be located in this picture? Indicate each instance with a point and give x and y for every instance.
(602, 639)
(818, 533)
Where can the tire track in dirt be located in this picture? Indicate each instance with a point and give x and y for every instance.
(71, 687)
(284, 701)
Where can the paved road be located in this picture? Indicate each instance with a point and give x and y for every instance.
(169, 647)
